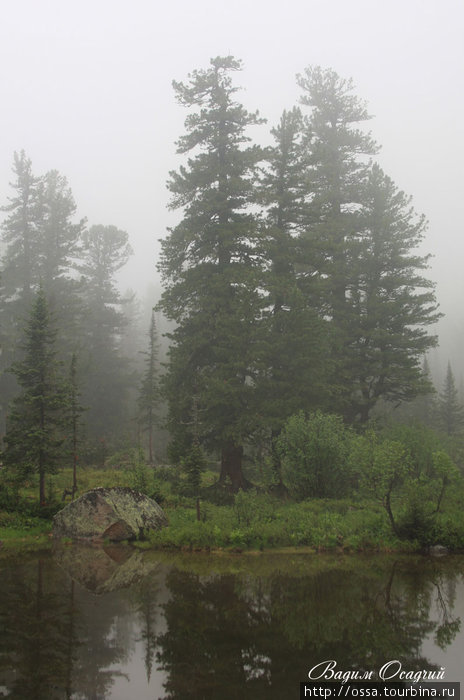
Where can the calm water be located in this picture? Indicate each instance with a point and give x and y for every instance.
(92, 623)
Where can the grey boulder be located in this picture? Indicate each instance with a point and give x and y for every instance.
(114, 514)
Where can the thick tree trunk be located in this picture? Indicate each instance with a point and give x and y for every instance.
(231, 467)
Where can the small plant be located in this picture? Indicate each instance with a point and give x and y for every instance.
(193, 465)
(140, 476)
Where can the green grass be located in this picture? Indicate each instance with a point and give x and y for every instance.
(253, 522)
(18, 532)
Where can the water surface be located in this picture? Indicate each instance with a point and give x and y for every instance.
(117, 624)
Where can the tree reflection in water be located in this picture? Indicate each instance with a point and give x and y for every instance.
(218, 627)
(227, 634)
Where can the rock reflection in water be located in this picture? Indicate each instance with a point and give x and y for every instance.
(208, 627)
(101, 569)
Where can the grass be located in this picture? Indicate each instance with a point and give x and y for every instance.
(253, 522)
(316, 525)
(20, 532)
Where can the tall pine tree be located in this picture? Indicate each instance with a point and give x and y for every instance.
(451, 411)
(33, 438)
(390, 303)
(105, 250)
(338, 151)
(149, 395)
(292, 347)
(211, 269)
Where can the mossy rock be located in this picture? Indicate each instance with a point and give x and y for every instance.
(113, 514)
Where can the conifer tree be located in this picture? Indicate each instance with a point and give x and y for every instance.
(451, 411)
(18, 274)
(105, 250)
(292, 347)
(337, 153)
(33, 438)
(21, 234)
(59, 237)
(74, 413)
(41, 245)
(211, 268)
(149, 391)
(374, 293)
(389, 301)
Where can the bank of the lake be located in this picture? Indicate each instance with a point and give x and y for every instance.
(257, 522)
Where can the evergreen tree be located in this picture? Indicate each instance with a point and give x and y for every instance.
(21, 233)
(149, 390)
(337, 153)
(74, 413)
(59, 238)
(105, 250)
(451, 411)
(210, 267)
(33, 439)
(292, 348)
(41, 246)
(424, 408)
(389, 302)
(18, 275)
(374, 293)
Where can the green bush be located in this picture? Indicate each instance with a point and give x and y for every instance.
(314, 452)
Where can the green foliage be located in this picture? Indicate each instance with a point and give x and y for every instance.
(381, 465)
(402, 473)
(314, 452)
(33, 439)
(450, 410)
(209, 266)
(140, 474)
(193, 464)
(257, 521)
(149, 394)
(105, 250)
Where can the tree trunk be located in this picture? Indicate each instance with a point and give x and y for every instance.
(150, 441)
(42, 498)
(231, 466)
(279, 487)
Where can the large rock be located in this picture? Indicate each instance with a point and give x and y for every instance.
(115, 514)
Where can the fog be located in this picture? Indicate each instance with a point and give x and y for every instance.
(86, 90)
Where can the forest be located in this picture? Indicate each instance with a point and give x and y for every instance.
(281, 378)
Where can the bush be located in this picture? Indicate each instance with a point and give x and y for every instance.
(314, 452)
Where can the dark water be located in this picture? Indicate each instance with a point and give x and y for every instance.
(90, 623)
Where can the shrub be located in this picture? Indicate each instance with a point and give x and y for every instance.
(314, 452)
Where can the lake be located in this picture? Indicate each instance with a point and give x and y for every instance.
(116, 623)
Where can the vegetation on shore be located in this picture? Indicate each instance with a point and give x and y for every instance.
(396, 490)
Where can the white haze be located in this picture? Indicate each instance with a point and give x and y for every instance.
(86, 89)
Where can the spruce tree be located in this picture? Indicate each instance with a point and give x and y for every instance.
(73, 416)
(33, 437)
(149, 395)
(364, 234)
(41, 246)
(337, 155)
(451, 411)
(292, 347)
(211, 269)
(389, 300)
(24, 215)
(105, 250)
(21, 234)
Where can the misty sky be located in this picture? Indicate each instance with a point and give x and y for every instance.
(86, 89)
